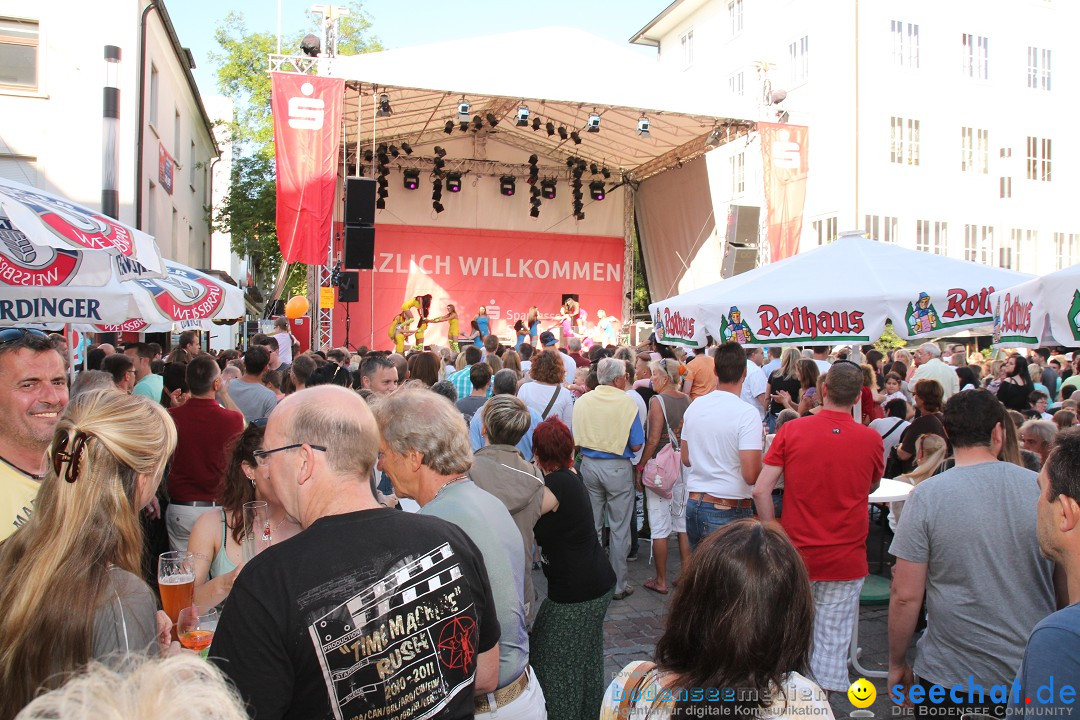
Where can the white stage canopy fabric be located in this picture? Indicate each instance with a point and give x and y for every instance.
(840, 293)
(1043, 312)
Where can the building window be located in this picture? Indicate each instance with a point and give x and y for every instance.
(976, 56)
(978, 243)
(738, 173)
(974, 150)
(734, 9)
(882, 227)
(1038, 75)
(922, 235)
(176, 135)
(154, 86)
(18, 54)
(686, 41)
(1005, 187)
(799, 55)
(1067, 248)
(1038, 159)
(736, 83)
(905, 141)
(191, 167)
(905, 44)
(825, 229)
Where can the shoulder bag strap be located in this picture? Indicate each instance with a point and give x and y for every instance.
(632, 684)
(898, 423)
(551, 402)
(671, 436)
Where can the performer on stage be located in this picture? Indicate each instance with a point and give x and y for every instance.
(475, 336)
(533, 321)
(605, 328)
(451, 318)
(422, 305)
(522, 332)
(399, 329)
(483, 323)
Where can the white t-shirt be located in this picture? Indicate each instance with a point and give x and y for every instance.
(284, 350)
(715, 428)
(537, 396)
(570, 366)
(883, 426)
(822, 366)
(756, 383)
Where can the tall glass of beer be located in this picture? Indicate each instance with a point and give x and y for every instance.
(176, 581)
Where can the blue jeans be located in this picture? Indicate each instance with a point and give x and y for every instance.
(704, 517)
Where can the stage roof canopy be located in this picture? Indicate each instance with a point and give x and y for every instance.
(562, 75)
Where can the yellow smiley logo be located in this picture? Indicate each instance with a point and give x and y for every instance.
(862, 693)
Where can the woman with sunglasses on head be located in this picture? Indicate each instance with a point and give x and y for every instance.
(216, 536)
(70, 589)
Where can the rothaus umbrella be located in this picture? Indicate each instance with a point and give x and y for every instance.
(1040, 312)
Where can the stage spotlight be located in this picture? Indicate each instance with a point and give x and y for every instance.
(550, 128)
(536, 123)
(535, 192)
(453, 181)
(411, 178)
(368, 155)
(383, 158)
(523, 116)
(384, 193)
(384, 106)
(571, 161)
(464, 126)
(547, 189)
(449, 127)
(643, 127)
(580, 215)
(437, 206)
(562, 133)
(594, 169)
(436, 190)
(380, 204)
(463, 110)
(478, 122)
(596, 189)
(382, 181)
(594, 123)
(440, 152)
(438, 164)
(406, 148)
(507, 185)
(575, 137)
(534, 212)
(394, 151)
(492, 120)
(605, 172)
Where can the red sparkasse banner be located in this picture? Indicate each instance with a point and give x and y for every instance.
(504, 270)
(785, 156)
(307, 122)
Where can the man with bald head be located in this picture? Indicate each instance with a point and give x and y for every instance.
(369, 612)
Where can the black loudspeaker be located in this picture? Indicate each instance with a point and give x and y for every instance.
(348, 287)
(742, 225)
(359, 201)
(359, 247)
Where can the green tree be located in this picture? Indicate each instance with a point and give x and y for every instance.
(889, 340)
(248, 213)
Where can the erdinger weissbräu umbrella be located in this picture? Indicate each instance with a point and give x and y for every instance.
(63, 263)
(1041, 312)
(842, 292)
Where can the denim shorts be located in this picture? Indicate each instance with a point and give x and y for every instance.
(704, 517)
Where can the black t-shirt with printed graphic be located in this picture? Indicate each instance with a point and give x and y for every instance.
(371, 615)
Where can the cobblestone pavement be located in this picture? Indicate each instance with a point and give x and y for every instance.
(633, 625)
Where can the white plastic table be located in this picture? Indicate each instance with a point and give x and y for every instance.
(888, 491)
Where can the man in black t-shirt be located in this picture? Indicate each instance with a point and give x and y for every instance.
(369, 612)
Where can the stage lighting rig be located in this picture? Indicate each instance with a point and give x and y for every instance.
(453, 182)
(411, 178)
(536, 123)
(406, 148)
(575, 137)
(507, 185)
(596, 190)
(643, 126)
(550, 127)
(449, 127)
(384, 106)
(593, 125)
(547, 189)
(523, 116)
(562, 133)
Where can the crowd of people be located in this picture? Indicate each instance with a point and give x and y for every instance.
(410, 496)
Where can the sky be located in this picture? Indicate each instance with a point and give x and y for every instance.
(401, 23)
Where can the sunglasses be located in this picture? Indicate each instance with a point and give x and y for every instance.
(15, 334)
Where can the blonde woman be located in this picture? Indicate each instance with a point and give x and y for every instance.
(930, 453)
(70, 590)
(666, 410)
(785, 379)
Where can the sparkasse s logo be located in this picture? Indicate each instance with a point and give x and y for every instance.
(786, 154)
(306, 113)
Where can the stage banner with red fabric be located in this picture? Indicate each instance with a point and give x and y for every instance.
(505, 271)
(785, 154)
(307, 135)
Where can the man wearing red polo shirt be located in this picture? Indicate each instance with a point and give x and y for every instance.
(205, 432)
(830, 465)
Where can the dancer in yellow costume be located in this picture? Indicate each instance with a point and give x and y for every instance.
(422, 304)
(452, 331)
(399, 329)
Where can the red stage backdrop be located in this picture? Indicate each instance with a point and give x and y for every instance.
(506, 271)
(784, 153)
(307, 119)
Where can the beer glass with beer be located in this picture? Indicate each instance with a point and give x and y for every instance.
(176, 581)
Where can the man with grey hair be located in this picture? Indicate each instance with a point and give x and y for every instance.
(504, 382)
(1038, 437)
(88, 380)
(573, 345)
(500, 468)
(609, 435)
(429, 462)
(333, 613)
(928, 365)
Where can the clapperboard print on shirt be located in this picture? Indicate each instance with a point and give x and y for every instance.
(401, 647)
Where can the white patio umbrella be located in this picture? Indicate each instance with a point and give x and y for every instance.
(843, 292)
(1040, 312)
(46, 240)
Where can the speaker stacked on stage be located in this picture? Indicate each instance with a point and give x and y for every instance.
(359, 230)
(348, 286)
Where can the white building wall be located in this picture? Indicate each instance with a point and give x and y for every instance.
(849, 119)
(51, 136)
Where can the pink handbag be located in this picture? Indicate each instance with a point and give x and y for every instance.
(664, 470)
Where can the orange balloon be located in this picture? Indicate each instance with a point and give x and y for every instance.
(297, 307)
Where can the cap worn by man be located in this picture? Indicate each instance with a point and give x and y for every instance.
(334, 614)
